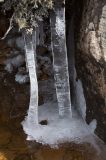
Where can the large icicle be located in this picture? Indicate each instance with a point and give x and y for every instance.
(30, 49)
(60, 62)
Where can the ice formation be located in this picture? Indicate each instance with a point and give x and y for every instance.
(58, 130)
(30, 49)
(80, 99)
(93, 125)
(63, 128)
(60, 62)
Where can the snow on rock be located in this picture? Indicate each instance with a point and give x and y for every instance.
(9, 67)
(21, 79)
(58, 130)
(14, 62)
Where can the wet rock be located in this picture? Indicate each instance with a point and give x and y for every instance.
(5, 136)
(11, 42)
(44, 68)
(4, 24)
(16, 40)
(5, 51)
(43, 77)
(22, 70)
(47, 89)
(20, 43)
(41, 51)
(41, 100)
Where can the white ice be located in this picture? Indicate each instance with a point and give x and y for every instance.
(60, 62)
(80, 99)
(30, 50)
(58, 130)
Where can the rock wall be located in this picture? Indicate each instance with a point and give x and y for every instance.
(4, 24)
(91, 60)
(90, 57)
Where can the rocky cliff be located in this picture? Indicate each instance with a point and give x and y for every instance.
(91, 61)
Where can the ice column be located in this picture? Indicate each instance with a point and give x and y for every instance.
(30, 49)
(60, 62)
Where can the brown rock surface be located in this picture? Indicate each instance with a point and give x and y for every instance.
(91, 62)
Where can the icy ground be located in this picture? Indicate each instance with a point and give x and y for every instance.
(57, 130)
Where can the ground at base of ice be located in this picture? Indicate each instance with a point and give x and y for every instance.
(58, 130)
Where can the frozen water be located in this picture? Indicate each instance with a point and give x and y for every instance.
(58, 130)
(93, 125)
(60, 62)
(80, 99)
(63, 128)
(30, 49)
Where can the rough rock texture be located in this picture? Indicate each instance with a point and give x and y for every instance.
(4, 24)
(91, 62)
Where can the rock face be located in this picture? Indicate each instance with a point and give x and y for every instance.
(91, 62)
(4, 24)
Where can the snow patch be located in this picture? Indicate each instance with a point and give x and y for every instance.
(58, 130)
(9, 67)
(21, 79)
